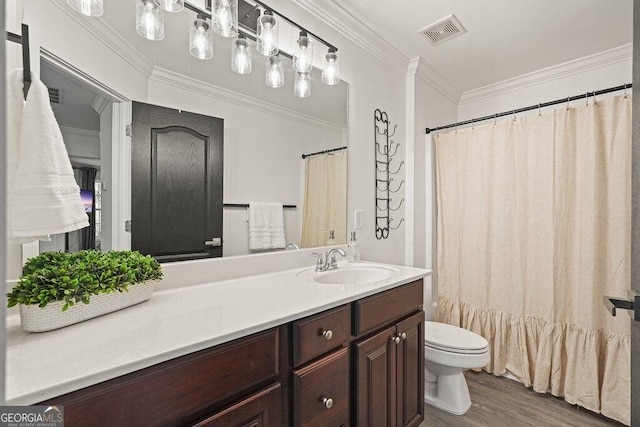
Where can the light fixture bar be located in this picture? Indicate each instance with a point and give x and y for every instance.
(295, 24)
(250, 35)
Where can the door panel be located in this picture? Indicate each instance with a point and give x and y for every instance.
(410, 374)
(375, 382)
(177, 171)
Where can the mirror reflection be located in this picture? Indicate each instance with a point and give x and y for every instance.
(205, 141)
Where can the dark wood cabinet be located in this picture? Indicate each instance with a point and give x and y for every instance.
(389, 364)
(361, 364)
(262, 409)
(321, 391)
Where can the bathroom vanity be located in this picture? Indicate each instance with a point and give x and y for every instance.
(354, 356)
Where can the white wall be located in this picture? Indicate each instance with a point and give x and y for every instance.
(81, 144)
(600, 71)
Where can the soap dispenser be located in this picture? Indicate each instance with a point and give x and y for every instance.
(332, 238)
(353, 248)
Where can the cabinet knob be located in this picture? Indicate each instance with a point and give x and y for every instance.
(395, 339)
(327, 334)
(327, 402)
(403, 336)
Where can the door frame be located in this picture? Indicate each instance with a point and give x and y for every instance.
(120, 186)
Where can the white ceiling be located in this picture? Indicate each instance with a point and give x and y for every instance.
(504, 39)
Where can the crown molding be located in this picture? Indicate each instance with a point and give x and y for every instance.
(100, 103)
(162, 75)
(110, 38)
(555, 72)
(79, 132)
(335, 15)
(421, 69)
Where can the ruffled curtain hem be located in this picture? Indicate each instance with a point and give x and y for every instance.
(588, 368)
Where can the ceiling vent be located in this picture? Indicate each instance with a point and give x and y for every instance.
(443, 30)
(55, 95)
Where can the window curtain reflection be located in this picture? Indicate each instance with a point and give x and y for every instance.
(325, 199)
(86, 179)
(534, 226)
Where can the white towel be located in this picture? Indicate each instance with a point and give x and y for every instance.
(266, 226)
(43, 196)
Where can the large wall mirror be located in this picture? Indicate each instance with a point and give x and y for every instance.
(95, 67)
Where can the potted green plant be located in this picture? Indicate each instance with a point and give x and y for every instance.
(57, 289)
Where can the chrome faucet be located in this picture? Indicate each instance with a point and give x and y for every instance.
(330, 262)
(320, 261)
(291, 246)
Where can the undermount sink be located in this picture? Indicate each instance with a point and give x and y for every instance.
(350, 274)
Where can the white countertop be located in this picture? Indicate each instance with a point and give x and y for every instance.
(171, 324)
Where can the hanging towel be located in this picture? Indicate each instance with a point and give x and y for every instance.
(266, 226)
(42, 194)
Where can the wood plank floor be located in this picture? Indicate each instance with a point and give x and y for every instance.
(498, 401)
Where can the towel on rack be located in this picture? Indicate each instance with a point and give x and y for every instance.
(266, 226)
(42, 194)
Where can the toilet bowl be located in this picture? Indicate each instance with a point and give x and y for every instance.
(448, 352)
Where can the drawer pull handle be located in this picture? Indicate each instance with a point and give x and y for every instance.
(403, 336)
(395, 339)
(327, 334)
(327, 402)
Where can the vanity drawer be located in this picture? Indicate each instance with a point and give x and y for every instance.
(321, 391)
(383, 308)
(319, 334)
(179, 389)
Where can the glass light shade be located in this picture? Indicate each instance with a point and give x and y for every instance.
(241, 56)
(302, 86)
(303, 53)
(170, 5)
(274, 72)
(149, 20)
(224, 14)
(87, 7)
(200, 38)
(267, 34)
(331, 68)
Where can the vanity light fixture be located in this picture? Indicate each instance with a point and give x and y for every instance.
(200, 37)
(225, 17)
(274, 71)
(267, 34)
(303, 53)
(302, 85)
(331, 68)
(149, 20)
(87, 7)
(171, 5)
(241, 55)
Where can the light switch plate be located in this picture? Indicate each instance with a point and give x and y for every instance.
(357, 219)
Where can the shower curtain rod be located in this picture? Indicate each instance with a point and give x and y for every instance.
(331, 150)
(533, 107)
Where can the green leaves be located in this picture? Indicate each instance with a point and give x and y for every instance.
(74, 277)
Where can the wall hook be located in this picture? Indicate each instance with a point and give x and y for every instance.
(397, 207)
(398, 170)
(397, 226)
(397, 189)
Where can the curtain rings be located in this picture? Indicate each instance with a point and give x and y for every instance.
(514, 115)
(586, 98)
(495, 119)
(595, 101)
(539, 110)
(625, 90)
(568, 102)
(472, 123)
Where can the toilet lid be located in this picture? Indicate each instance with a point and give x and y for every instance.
(449, 337)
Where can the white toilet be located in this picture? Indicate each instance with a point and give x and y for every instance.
(448, 352)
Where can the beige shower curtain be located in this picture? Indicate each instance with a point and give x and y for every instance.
(325, 199)
(534, 226)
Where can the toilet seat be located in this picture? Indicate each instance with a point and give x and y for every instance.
(453, 339)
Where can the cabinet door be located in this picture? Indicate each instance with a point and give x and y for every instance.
(321, 392)
(263, 409)
(410, 371)
(375, 380)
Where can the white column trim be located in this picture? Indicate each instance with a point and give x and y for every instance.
(410, 114)
(120, 175)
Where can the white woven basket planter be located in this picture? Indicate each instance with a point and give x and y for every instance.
(36, 319)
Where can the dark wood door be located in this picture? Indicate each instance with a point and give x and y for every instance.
(176, 180)
(410, 371)
(376, 380)
(635, 222)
